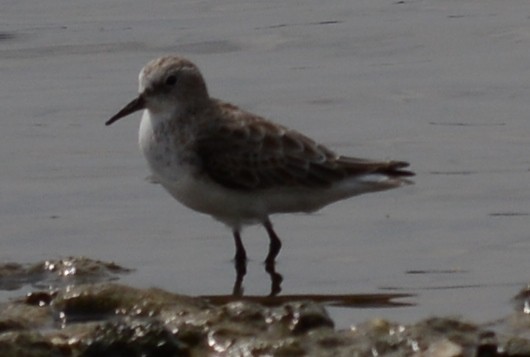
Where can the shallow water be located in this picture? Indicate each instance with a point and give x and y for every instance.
(441, 85)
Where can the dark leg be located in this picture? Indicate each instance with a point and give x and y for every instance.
(241, 271)
(240, 263)
(276, 278)
(274, 245)
(241, 254)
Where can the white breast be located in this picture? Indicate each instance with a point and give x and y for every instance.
(165, 156)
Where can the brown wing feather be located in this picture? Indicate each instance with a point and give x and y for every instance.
(253, 153)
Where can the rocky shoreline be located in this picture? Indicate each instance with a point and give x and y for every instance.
(84, 313)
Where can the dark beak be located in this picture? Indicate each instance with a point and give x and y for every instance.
(134, 106)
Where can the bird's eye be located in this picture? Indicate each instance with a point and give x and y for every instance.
(171, 80)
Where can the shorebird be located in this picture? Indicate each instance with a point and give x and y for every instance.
(236, 166)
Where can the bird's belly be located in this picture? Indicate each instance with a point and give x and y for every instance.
(230, 207)
(238, 208)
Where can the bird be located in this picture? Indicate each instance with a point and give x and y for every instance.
(236, 166)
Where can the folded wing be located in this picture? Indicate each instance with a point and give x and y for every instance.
(252, 153)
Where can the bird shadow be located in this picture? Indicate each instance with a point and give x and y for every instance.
(375, 300)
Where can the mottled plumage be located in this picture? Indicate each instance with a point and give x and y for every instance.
(247, 152)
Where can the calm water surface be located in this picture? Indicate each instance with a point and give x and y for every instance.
(451, 99)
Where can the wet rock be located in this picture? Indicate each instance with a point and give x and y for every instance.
(109, 319)
(29, 344)
(40, 298)
(522, 300)
(131, 338)
(309, 316)
(20, 316)
(52, 274)
(517, 346)
(99, 301)
(446, 348)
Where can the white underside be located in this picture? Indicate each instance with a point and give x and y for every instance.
(238, 208)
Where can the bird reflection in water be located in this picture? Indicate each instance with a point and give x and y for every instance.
(386, 300)
(270, 267)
